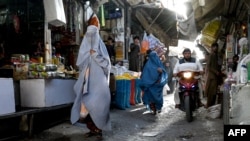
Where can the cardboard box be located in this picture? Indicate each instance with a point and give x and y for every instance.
(7, 96)
(46, 92)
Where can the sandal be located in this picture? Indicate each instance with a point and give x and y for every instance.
(98, 135)
(89, 134)
(82, 120)
(201, 105)
(177, 105)
(158, 111)
(152, 107)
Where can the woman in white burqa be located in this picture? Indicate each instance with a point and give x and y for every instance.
(92, 103)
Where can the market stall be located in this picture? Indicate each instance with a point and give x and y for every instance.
(239, 106)
(33, 90)
(236, 86)
(39, 104)
(127, 91)
(236, 94)
(46, 92)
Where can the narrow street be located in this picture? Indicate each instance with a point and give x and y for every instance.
(135, 124)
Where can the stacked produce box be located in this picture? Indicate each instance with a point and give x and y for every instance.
(127, 90)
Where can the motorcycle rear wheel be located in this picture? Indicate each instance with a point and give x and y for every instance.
(188, 109)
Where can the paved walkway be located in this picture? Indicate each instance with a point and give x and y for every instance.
(137, 124)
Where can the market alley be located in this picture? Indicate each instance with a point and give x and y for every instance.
(135, 124)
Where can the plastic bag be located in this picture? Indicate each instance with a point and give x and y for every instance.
(159, 50)
(144, 43)
(214, 112)
(153, 41)
(242, 74)
(144, 46)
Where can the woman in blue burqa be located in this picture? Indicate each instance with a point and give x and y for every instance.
(92, 102)
(153, 79)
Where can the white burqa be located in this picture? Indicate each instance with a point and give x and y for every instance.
(92, 86)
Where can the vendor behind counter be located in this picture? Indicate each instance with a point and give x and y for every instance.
(6, 71)
(2, 59)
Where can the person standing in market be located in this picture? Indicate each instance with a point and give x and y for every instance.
(2, 53)
(153, 79)
(39, 52)
(92, 102)
(235, 62)
(59, 50)
(111, 50)
(134, 55)
(212, 75)
(144, 63)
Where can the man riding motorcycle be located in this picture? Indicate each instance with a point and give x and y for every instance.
(186, 59)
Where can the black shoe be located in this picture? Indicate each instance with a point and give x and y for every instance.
(82, 120)
(89, 134)
(177, 105)
(98, 135)
(200, 104)
(152, 107)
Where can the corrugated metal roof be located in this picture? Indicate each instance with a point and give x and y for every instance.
(228, 10)
(165, 20)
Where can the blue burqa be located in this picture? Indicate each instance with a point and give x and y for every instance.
(152, 82)
(92, 86)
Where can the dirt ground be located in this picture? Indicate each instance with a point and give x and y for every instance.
(137, 124)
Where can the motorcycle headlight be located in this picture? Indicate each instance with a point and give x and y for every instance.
(187, 75)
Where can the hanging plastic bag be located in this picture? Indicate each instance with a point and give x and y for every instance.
(243, 43)
(159, 50)
(214, 111)
(144, 44)
(242, 73)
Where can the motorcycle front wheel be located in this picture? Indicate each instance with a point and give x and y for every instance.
(188, 109)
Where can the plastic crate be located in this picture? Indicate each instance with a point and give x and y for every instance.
(132, 99)
(137, 91)
(123, 88)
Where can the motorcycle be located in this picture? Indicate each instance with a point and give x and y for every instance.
(188, 92)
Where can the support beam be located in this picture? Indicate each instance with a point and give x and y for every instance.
(248, 24)
(154, 29)
(121, 3)
(239, 8)
(232, 6)
(115, 2)
(134, 2)
(97, 4)
(247, 3)
(226, 6)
